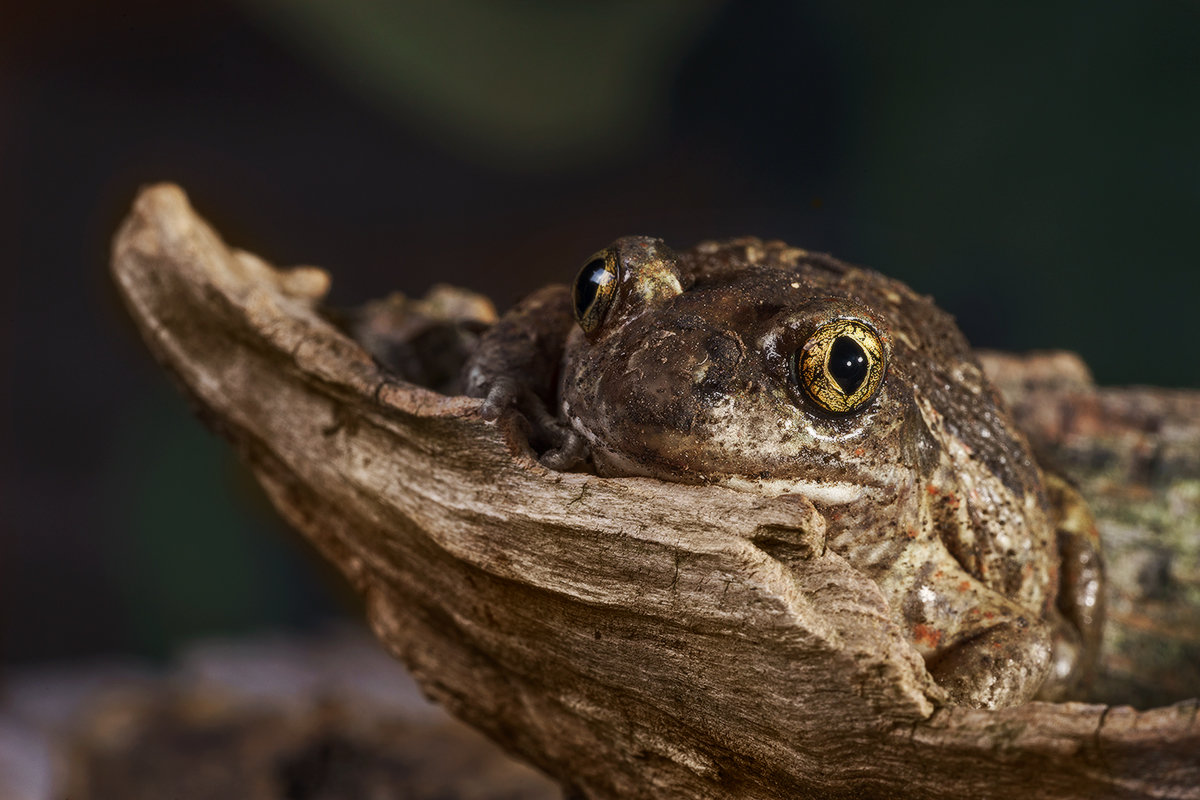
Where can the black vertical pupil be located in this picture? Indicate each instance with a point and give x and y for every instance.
(591, 277)
(848, 364)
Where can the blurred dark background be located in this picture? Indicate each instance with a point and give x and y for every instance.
(1035, 168)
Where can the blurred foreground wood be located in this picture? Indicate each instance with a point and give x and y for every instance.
(628, 636)
(322, 717)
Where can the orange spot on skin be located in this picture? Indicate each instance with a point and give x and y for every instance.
(964, 586)
(926, 636)
(932, 490)
(910, 533)
(858, 451)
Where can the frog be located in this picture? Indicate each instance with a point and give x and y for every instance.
(781, 372)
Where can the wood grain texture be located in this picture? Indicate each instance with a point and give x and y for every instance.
(632, 638)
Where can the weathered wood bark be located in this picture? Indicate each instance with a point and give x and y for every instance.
(627, 636)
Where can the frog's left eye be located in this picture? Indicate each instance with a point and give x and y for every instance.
(841, 366)
(594, 288)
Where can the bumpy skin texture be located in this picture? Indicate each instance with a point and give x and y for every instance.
(929, 488)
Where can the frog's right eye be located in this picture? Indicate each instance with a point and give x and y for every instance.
(594, 288)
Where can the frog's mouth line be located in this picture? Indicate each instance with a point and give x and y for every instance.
(833, 493)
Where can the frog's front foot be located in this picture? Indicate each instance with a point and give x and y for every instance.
(1002, 666)
(559, 446)
(515, 367)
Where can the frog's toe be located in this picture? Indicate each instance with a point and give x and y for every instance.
(571, 449)
(504, 393)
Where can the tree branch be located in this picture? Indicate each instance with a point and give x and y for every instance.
(628, 636)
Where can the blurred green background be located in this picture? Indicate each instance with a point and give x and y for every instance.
(1034, 167)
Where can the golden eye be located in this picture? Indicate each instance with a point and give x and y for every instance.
(841, 366)
(594, 288)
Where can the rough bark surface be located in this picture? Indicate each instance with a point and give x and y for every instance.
(627, 636)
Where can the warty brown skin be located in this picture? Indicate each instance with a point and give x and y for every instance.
(928, 488)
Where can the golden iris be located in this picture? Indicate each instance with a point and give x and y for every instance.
(594, 288)
(841, 366)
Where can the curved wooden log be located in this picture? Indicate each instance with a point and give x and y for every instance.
(632, 638)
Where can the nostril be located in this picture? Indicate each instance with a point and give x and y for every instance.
(724, 347)
(723, 352)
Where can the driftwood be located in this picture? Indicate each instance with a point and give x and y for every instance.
(627, 636)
